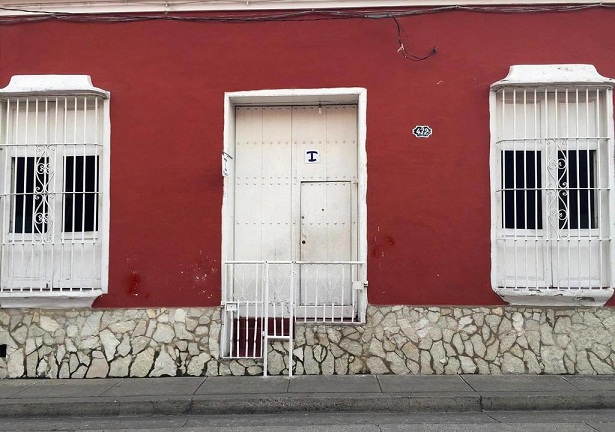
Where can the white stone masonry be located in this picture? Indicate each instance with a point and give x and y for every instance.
(90, 343)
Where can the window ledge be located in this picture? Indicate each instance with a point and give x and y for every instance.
(49, 300)
(554, 297)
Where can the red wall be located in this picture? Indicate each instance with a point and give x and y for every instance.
(428, 199)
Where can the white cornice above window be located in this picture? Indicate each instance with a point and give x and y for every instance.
(42, 85)
(29, 7)
(555, 74)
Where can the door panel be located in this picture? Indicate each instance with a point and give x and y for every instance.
(263, 184)
(326, 235)
(263, 226)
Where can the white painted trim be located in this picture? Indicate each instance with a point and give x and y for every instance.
(362, 198)
(228, 215)
(344, 95)
(554, 297)
(51, 85)
(104, 225)
(46, 300)
(611, 178)
(341, 95)
(493, 179)
(557, 74)
(29, 7)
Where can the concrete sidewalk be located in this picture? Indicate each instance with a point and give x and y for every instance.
(358, 393)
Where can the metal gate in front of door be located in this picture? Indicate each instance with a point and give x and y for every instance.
(262, 301)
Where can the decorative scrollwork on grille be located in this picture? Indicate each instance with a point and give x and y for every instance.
(557, 186)
(43, 194)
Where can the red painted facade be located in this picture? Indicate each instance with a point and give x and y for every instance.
(428, 199)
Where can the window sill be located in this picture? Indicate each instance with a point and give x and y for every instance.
(554, 297)
(47, 300)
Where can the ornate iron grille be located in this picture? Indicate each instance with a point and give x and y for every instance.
(51, 150)
(553, 196)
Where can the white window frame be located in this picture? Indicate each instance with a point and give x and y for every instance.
(568, 79)
(62, 88)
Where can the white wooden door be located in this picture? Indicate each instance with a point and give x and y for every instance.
(288, 160)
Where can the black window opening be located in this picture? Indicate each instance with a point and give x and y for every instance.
(576, 189)
(30, 207)
(522, 203)
(522, 184)
(81, 180)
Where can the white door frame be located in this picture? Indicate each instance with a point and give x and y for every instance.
(350, 95)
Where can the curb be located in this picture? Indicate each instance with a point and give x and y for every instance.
(547, 402)
(312, 402)
(240, 404)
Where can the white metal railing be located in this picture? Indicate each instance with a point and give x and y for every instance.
(329, 291)
(51, 151)
(553, 156)
(263, 299)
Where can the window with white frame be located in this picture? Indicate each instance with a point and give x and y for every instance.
(54, 183)
(551, 182)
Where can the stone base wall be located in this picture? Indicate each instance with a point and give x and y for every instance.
(395, 339)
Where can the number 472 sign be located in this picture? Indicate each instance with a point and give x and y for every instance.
(422, 131)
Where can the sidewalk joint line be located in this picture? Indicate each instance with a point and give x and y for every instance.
(379, 383)
(570, 382)
(200, 385)
(492, 418)
(112, 387)
(469, 385)
(590, 426)
(10, 396)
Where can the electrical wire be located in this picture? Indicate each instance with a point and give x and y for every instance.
(402, 48)
(299, 15)
(34, 16)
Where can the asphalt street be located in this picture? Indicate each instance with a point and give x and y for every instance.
(500, 421)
